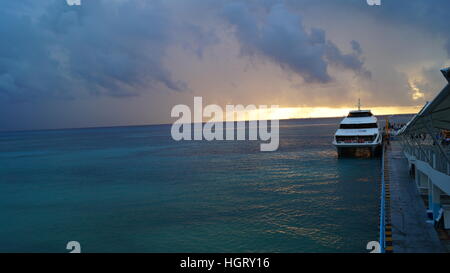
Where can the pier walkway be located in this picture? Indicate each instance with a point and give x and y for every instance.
(410, 231)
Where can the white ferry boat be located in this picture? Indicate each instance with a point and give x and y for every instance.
(358, 132)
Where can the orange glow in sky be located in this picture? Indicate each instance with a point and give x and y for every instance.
(321, 112)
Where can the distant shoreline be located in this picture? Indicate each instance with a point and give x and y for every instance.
(160, 124)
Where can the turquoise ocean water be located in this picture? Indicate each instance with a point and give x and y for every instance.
(134, 189)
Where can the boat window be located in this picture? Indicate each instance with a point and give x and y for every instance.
(359, 114)
(359, 126)
(356, 139)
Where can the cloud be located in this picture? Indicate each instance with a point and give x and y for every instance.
(139, 56)
(428, 16)
(281, 37)
(113, 48)
(356, 47)
(350, 61)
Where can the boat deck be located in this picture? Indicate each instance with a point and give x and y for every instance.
(410, 231)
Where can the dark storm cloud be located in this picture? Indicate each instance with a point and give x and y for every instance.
(425, 15)
(114, 48)
(281, 37)
(51, 53)
(198, 39)
(430, 16)
(348, 61)
(356, 47)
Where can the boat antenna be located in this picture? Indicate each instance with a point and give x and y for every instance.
(359, 100)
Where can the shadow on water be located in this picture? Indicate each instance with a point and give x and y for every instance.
(361, 153)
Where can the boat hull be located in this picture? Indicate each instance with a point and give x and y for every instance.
(359, 150)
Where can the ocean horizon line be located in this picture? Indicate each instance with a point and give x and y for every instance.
(161, 124)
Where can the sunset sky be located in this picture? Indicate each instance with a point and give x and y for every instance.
(128, 62)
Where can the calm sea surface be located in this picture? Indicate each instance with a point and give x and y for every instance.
(134, 189)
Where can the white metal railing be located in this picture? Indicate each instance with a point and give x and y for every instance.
(429, 154)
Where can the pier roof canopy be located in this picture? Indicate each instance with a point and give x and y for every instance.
(435, 114)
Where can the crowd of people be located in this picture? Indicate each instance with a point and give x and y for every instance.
(443, 136)
(395, 126)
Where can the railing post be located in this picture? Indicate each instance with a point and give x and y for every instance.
(434, 161)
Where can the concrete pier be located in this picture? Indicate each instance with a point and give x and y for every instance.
(410, 231)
